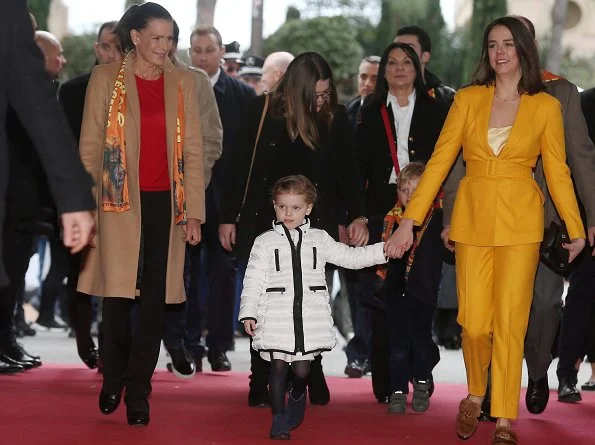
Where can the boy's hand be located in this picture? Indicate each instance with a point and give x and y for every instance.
(249, 327)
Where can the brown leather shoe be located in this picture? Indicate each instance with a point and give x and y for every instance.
(504, 436)
(467, 418)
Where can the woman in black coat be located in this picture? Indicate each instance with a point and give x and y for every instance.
(400, 92)
(304, 132)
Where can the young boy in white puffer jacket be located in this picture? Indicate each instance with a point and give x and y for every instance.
(285, 304)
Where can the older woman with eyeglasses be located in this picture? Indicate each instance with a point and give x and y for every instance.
(304, 132)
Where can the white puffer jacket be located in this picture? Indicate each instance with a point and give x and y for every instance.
(285, 289)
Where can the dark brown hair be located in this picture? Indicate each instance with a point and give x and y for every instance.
(526, 50)
(381, 90)
(297, 185)
(294, 97)
(138, 17)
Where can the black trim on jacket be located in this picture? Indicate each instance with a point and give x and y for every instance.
(298, 288)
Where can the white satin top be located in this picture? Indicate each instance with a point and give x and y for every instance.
(497, 138)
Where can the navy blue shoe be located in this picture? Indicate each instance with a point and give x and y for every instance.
(296, 408)
(279, 429)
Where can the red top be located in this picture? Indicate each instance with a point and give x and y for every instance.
(153, 166)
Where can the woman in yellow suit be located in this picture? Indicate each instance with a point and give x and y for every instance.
(503, 121)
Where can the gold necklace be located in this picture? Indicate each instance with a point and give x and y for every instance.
(506, 100)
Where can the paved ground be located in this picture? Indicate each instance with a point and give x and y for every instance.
(57, 348)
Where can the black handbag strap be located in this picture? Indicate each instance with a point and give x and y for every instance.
(260, 125)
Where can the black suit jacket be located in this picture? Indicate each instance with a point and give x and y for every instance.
(72, 99)
(232, 98)
(26, 87)
(354, 110)
(334, 172)
(373, 149)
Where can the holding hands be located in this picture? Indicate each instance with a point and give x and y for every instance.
(574, 248)
(401, 240)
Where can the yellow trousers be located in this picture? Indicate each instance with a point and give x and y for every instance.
(495, 290)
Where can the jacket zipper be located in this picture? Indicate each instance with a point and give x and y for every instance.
(298, 288)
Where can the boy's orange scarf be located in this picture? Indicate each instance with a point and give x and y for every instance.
(115, 196)
(391, 222)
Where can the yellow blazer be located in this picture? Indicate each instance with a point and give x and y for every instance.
(498, 202)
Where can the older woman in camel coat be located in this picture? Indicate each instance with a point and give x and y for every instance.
(141, 141)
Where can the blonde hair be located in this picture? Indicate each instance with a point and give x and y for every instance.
(412, 171)
(297, 185)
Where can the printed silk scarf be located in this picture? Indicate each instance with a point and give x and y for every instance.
(391, 222)
(115, 196)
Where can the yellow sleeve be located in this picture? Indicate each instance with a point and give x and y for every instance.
(557, 173)
(445, 153)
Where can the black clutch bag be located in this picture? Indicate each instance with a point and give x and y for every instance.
(551, 251)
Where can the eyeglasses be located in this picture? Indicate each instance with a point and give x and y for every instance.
(324, 95)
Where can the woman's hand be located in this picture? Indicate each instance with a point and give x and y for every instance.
(249, 327)
(227, 236)
(343, 237)
(574, 248)
(445, 235)
(401, 240)
(358, 233)
(591, 236)
(192, 231)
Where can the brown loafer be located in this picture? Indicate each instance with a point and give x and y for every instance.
(467, 418)
(504, 436)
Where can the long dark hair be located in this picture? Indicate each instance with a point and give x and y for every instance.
(294, 97)
(381, 90)
(137, 17)
(531, 81)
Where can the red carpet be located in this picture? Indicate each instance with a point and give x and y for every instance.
(58, 405)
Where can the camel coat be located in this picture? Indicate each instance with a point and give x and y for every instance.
(110, 268)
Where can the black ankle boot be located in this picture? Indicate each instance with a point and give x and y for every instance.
(317, 387)
(109, 402)
(137, 412)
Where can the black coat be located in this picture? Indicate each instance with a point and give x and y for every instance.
(426, 270)
(437, 89)
(333, 171)
(354, 110)
(233, 97)
(26, 87)
(72, 98)
(373, 150)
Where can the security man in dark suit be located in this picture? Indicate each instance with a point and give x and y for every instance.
(27, 88)
(366, 82)
(232, 96)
